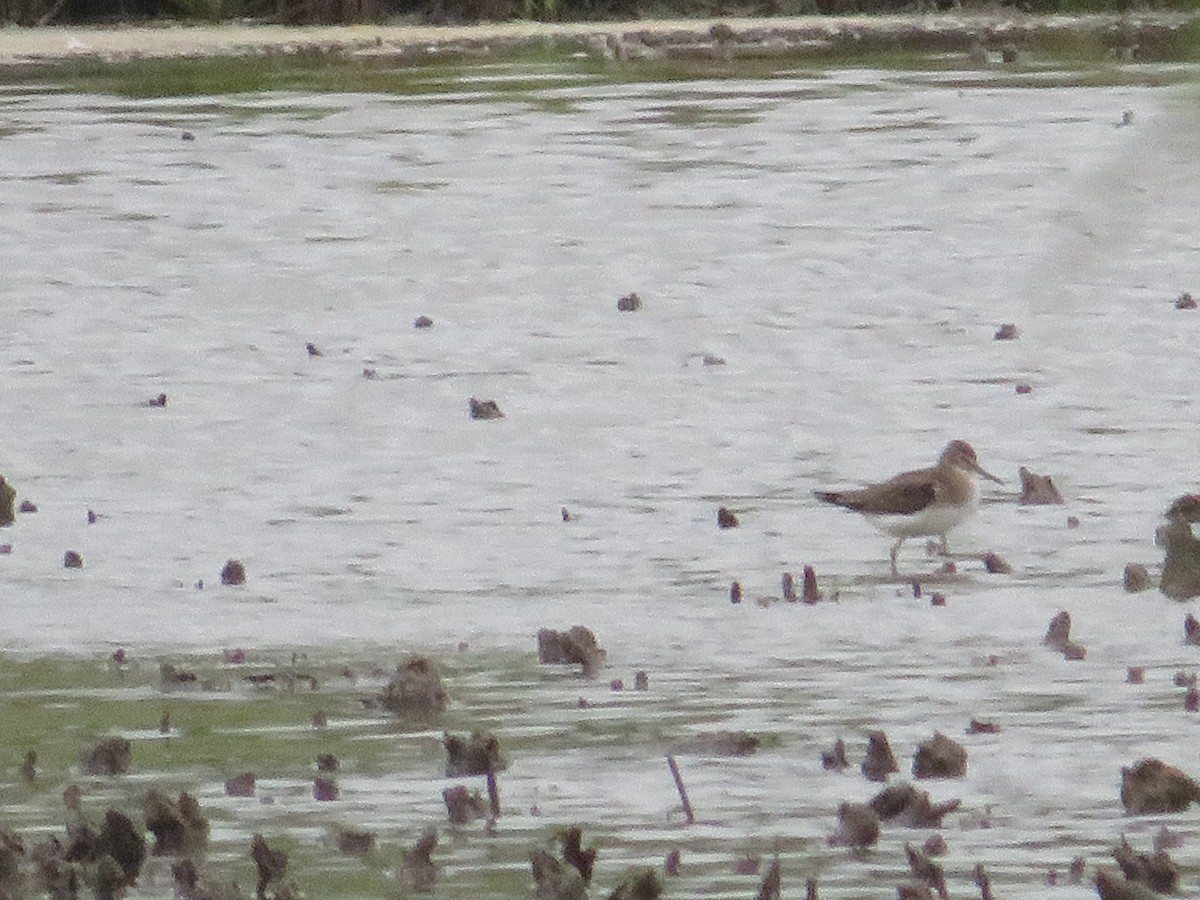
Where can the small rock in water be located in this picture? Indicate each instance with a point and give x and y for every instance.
(327, 762)
(857, 828)
(1191, 630)
(1185, 301)
(478, 754)
(72, 560)
(233, 572)
(112, 756)
(178, 827)
(566, 514)
(27, 506)
(355, 843)
(710, 360)
(1024, 388)
(926, 870)
(418, 868)
(463, 806)
(1135, 675)
(726, 519)
(29, 766)
(369, 372)
(1006, 332)
(484, 409)
(187, 136)
(811, 594)
(1037, 490)
(996, 564)
(937, 599)
(571, 842)
(935, 845)
(735, 592)
(242, 785)
(834, 760)
(906, 805)
(641, 681)
(879, 762)
(578, 645)
(1152, 786)
(159, 401)
(671, 864)
(422, 322)
(629, 303)
(91, 517)
(1136, 578)
(940, 757)
(7, 496)
(1058, 636)
(325, 789)
(1191, 700)
(313, 349)
(978, 727)
(271, 864)
(789, 588)
(416, 690)
(770, 888)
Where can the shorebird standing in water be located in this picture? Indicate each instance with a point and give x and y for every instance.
(925, 502)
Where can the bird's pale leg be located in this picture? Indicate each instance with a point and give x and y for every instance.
(895, 550)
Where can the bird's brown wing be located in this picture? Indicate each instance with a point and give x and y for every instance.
(903, 495)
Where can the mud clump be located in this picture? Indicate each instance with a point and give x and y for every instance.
(418, 868)
(880, 762)
(112, 756)
(834, 759)
(906, 805)
(72, 560)
(233, 572)
(463, 806)
(629, 303)
(1058, 637)
(242, 785)
(1152, 786)
(640, 883)
(1155, 870)
(554, 880)
(1037, 490)
(578, 645)
(355, 843)
(7, 497)
(478, 754)
(1135, 578)
(271, 865)
(416, 690)
(726, 518)
(857, 828)
(1181, 563)
(179, 828)
(484, 409)
(940, 757)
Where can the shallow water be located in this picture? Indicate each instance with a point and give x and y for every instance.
(846, 240)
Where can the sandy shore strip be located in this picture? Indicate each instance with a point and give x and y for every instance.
(26, 45)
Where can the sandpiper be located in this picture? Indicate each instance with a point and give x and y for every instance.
(925, 502)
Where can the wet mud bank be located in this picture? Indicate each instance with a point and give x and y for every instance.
(986, 37)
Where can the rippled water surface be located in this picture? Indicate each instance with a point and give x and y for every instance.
(847, 241)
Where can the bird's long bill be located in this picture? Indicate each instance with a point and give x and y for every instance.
(979, 470)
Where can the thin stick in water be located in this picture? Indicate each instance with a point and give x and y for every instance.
(687, 804)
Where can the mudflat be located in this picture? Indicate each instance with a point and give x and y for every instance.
(177, 40)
